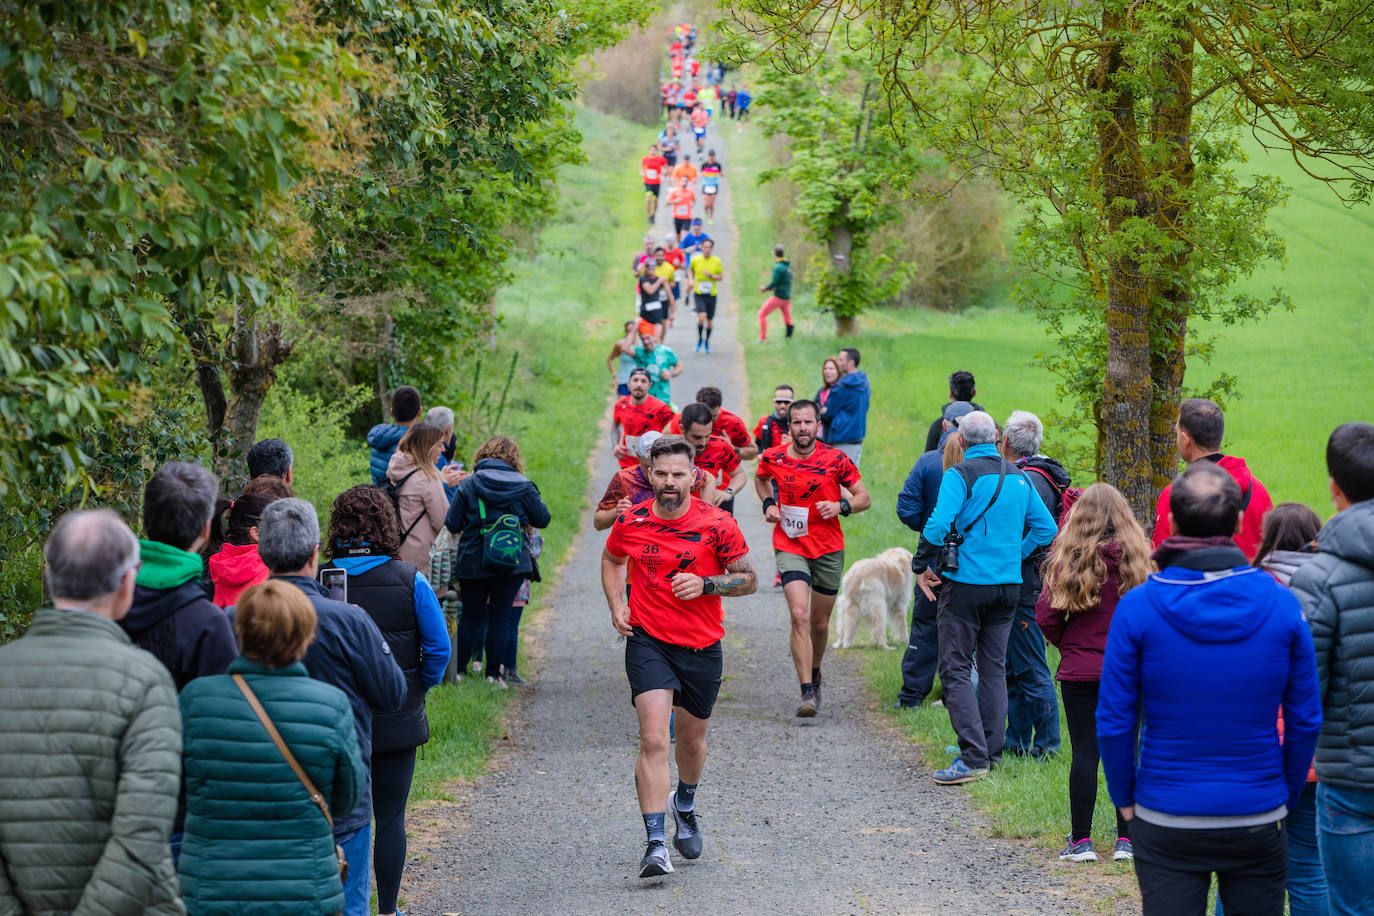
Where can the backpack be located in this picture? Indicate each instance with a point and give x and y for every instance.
(503, 540)
(1067, 496)
(392, 489)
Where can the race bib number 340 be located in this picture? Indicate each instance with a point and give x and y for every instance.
(793, 520)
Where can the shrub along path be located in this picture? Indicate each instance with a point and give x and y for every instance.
(830, 815)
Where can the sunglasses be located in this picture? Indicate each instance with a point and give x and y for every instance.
(782, 401)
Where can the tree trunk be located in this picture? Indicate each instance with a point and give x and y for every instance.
(1127, 392)
(255, 352)
(840, 247)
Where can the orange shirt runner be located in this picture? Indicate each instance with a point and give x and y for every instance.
(682, 200)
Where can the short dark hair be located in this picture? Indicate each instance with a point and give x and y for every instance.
(1203, 421)
(671, 445)
(405, 404)
(801, 405)
(1350, 460)
(270, 457)
(709, 396)
(695, 415)
(777, 251)
(1205, 501)
(640, 370)
(961, 386)
(852, 353)
(777, 388)
(177, 503)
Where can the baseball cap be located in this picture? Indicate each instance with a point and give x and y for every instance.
(953, 411)
(646, 442)
(697, 221)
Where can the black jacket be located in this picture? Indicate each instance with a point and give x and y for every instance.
(183, 629)
(933, 434)
(502, 489)
(1049, 494)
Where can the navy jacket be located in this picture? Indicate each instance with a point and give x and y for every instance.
(350, 653)
(846, 409)
(182, 627)
(922, 487)
(503, 489)
(383, 438)
(1203, 655)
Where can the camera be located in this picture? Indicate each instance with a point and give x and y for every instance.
(949, 551)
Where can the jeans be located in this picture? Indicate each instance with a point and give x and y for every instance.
(357, 847)
(1174, 868)
(1306, 883)
(976, 618)
(1345, 835)
(392, 772)
(922, 653)
(487, 601)
(1032, 707)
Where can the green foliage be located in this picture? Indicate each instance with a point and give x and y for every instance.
(325, 460)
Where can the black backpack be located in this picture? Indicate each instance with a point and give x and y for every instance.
(392, 489)
(503, 540)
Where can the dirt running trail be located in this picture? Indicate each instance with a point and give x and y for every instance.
(830, 815)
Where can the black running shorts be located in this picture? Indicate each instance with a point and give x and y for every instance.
(651, 188)
(682, 225)
(693, 675)
(706, 302)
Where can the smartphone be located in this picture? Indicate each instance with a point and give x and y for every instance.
(335, 583)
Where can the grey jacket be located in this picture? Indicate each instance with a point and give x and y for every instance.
(90, 768)
(1337, 593)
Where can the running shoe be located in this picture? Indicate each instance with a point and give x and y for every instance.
(957, 773)
(655, 861)
(1124, 851)
(1082, 851)
(697, 349)
(808, 707)
(706, 346)
(687, 840)
(515, 680)
(816, 683)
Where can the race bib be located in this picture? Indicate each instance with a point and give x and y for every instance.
(793, 520)
(708, 189)
(651, 174)
(706, 287)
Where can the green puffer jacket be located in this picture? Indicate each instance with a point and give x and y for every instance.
(254, 842)
(89, 766)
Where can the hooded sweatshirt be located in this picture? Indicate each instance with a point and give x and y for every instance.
(1201, 655)
(781, 281)
(501, 488)
(384, 437)
(1253, 495)
(846, 409)
(235, 569)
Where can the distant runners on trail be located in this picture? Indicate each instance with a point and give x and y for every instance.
(635, 414)
(651, 169)
(816, 486)
(710, 185)
(683, 556)
(621, 360)
(681, 198)
(707, 271)
(780, 285)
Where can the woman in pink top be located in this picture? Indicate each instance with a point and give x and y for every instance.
(420, 486)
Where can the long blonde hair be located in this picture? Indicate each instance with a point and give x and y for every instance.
(1076, 569)
(418, 443)
(954, 451)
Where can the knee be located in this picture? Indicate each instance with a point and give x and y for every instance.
(654, 746)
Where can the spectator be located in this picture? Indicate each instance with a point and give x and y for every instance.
(743, 99)
(1032, 705)
(1199, 657)
(270, 458)
(780, 285)
(420, 499)
(363, 540)
(1199, 433)
(990, 514)
(384, 437)
(1101, 553)
(914, 505)
(1337, 594)
(631, 485)
(522, 598)
(845, 413)
(771, 430)
(961, 388)
(830, 374)
(348, 652)
(91, 740)
(730, 102)
(172, 617)
(267, 485)
(496, 488)
(234, 562)
(257, 842)
(1289, 540)
(442, 417)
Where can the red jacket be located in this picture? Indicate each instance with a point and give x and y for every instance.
(1082, 637)
(1253, 494)
(233, 570)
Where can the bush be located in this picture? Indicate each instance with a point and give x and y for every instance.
(952, 236)
(624, 79)
(327, 461)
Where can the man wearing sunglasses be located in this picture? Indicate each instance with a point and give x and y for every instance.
(771, 430)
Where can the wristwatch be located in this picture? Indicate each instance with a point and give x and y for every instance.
(708, 585)
(845, 508)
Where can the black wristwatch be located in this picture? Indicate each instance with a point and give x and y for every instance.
(845, 508)
(708, 585)
(768, 503)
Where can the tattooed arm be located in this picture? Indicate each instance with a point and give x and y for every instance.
(738, 579)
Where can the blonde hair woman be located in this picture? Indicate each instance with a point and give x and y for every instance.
(414, 471)
(1100, 554)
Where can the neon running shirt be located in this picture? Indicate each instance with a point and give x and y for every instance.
(656, 362)
(703, 265)
(637, 419)
(652, 168)
(682, 200)
(685, 170)
(717, 459)
(703, 542)
(630, 482)
(803, 482)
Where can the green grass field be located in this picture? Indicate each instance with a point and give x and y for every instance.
(1300, 373)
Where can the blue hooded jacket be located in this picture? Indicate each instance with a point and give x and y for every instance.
(846, 410)
(1203, 655)
(383, 438)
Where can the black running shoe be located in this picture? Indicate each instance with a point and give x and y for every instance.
(655, 861)
(687, 840)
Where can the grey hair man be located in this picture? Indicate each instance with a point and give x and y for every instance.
(86, 809)
(270, 458)
(348, 652)
(442, 417)
(987, 519)
(172, 615)
(1032, 705)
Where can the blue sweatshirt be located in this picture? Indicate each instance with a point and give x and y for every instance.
(1203, 655)
(994, 547)
(846, 410)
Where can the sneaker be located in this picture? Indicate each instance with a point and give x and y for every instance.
(1082, 851)
(706, 346)
(957, 773)
(655, 861)
(687, 840)
(515, 680)
(697, 349)
(1124, 851)
(817, 684)
(497, 682)
(808, 707)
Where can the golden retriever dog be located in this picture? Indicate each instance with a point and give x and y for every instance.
(878, 590)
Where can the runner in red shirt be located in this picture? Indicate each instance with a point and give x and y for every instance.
(651, 169)
(723, 422)
(682, 556)
(630, 486)
(634, 414)
(771, 430)
(714, 454)
(816, 484)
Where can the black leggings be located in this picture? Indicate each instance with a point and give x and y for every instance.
(1080, 712)
(392, 772)
(487, 601)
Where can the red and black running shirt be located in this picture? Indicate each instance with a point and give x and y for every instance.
(717, 459)
(637, 419)
(803, 482)
(727, 424)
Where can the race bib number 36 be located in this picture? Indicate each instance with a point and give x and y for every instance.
(793, 520)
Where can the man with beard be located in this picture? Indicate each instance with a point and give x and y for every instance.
(635, 414)
(714, 455)
(816, 484)
(683, 556)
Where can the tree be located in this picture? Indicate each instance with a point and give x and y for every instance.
(1116, 124)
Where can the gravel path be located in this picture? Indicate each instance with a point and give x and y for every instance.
(830, 815)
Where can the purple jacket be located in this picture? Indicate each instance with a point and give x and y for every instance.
(1082, 637)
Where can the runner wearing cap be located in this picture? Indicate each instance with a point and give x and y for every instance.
(630, 486)
(635, 414)
(771, 430)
